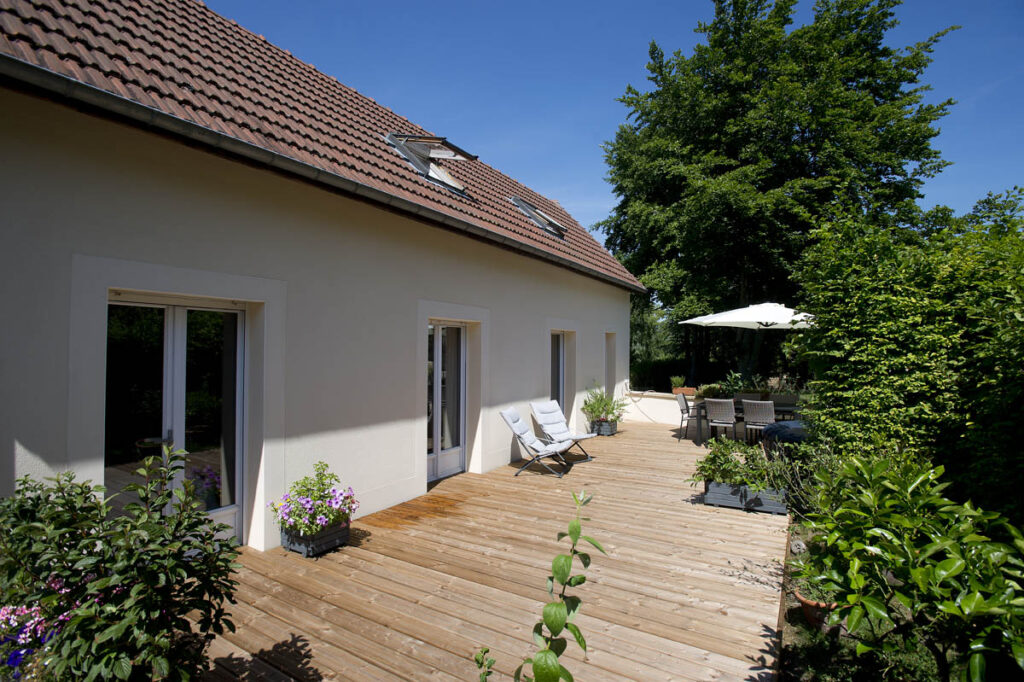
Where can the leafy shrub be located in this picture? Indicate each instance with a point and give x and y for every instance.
(557, 616)
(727, 462)
(600, 406)
(315, 502)
(677, 381)
(711, 391)
(918, 343)
(95, 595)
(909, 565)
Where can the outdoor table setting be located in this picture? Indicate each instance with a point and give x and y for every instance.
(783, 412)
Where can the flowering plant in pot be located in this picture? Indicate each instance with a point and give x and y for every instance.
(314, 514)
(603, 411)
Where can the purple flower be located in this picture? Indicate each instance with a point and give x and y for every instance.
(322, 520)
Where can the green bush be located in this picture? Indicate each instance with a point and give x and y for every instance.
(677, 381)
(918, 343)
(93, 595)
(910, 566)
(601, 406)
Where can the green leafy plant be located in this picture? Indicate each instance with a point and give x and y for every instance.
(558, 616)
(677, 381)
(724, 463)
(600, 406)
(711, 391)
(88, 594)
(910, 565)
(314, 503)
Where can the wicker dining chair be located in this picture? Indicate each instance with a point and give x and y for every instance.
(757, 414)
(721, 413)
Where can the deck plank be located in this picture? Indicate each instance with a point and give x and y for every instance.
(688, 592)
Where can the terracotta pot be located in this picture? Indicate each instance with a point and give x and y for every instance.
(688, 391)
(814, 611)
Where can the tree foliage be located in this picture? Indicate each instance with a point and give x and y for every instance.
(918, 342)
(735, 151)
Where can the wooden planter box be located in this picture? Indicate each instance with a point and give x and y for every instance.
(318, 543)
(604, 428)
(741, 497)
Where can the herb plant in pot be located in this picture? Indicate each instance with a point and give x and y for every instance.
(603, 411)
(679, 386)
(314, 514)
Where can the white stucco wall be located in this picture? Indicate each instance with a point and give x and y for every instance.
(338, 294)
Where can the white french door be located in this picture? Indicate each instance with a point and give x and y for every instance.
(446, 400)
(174, 377)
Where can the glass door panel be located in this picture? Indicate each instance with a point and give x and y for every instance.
(134, 411)
(430, 389)
(451, 387)
(211, 407)
(446, 409)
(558, 369)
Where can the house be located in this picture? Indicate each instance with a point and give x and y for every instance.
(207, 242)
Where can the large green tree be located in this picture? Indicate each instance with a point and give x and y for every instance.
(735, 151)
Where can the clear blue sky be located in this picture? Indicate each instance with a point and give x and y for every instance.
(531, 86)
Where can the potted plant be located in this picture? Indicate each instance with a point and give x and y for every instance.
(711, 391)
(679, 386)
(207, 483)
(314, 514)
(603, 411)
(736, 475)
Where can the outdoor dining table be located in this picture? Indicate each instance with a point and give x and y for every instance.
(701, 411)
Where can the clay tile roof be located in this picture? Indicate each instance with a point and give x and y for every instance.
(190, 67)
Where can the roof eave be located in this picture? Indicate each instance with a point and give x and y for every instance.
(77, 91)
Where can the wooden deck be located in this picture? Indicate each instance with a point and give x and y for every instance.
(687, 592)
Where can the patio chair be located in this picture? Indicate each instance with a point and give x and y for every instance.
(721, 413)
(757, 414)
(684, 414)
(552, 422)
(533, 449)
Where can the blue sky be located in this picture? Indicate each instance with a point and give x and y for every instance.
(531, 86)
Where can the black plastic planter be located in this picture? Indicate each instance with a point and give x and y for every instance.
(741, 497)
(316, 544)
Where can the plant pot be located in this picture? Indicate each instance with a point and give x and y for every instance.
(604, 428)
(319, 543)
(688, 391)
(211, 499)
(737, 496)
(815, 612)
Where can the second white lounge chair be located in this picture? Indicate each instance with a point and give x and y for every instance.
(549, 415)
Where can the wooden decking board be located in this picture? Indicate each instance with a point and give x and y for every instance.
(688, 592)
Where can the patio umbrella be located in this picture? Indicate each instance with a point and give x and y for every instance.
(760, 316)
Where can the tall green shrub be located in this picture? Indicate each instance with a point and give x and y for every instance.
(918, 343)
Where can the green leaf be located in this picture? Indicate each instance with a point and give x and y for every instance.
(163, 668)
(578, 636)
(558, 645)
(977, 667)
(949, 568)
(546, 667)
(564, 673)
(595, 543)
(855, 618)
(574, 530)
(561, 566)
(863, 648)
(584, 559)
(114, 631)
(875, 608)
(122, 668)
(554, 617)
(1018, 653)
(538, 636)
(577, 580)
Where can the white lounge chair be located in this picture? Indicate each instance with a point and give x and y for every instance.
(549, 415)
(534, 450)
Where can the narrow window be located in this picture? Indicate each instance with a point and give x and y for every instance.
(558, 368)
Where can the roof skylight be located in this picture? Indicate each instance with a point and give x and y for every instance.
(422, 150)
(540, 217)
